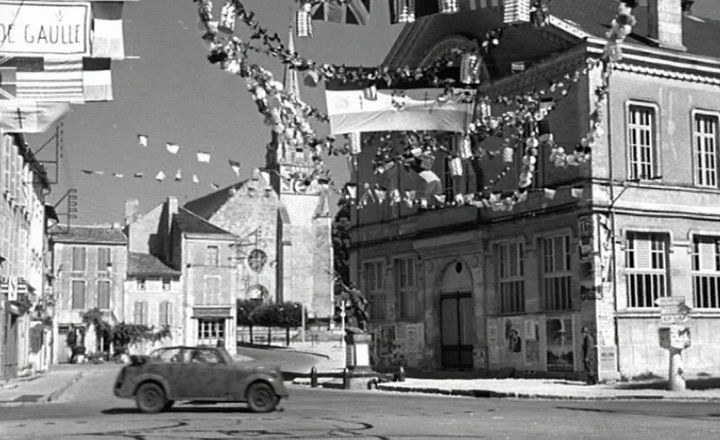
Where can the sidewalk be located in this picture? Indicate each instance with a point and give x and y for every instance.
(42, 388)
(555, 389)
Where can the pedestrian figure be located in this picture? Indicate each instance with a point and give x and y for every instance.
(588, 349)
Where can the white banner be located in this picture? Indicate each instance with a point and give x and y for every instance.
(44, 28)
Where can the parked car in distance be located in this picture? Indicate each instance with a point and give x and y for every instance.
(206, 374)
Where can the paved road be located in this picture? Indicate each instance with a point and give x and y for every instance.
(88, 411)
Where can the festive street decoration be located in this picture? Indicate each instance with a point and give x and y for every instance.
(620, 28)
(522, 126)
(342, 11)
(303, 21)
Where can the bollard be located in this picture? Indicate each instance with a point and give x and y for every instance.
(401, 374)
(313, 378)
(346, 378)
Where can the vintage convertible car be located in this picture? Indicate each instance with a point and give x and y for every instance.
(205, 374)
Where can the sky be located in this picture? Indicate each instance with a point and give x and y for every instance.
(171, 93)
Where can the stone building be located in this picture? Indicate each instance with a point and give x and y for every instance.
(23, 275)
(593, 245)
(90, 264)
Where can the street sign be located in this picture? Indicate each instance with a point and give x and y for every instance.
(673, 310)
(676, 337)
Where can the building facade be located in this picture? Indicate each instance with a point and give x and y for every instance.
(593, 245)
(23, 187)
(90, 264)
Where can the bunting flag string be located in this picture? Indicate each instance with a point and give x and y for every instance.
(289, 116)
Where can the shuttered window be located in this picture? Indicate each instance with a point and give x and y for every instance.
(165, 317)
(646, 268)
(373, 286)
(211, 257)
(103, 295)
(706, 272)
(705, 138)
(511, 279)
(78, 294)
(140, 312)
(406, 288)
(556, 274)
(103, 259)
(78, 258)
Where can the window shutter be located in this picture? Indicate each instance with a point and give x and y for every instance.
(706, 251)
(168, 313)
(162, 312)
(642, 244)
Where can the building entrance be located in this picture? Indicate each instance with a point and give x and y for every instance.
(456, 325)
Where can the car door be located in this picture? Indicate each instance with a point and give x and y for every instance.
(168, 363)
(205, 375)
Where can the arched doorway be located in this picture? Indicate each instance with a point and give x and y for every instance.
(457, 317)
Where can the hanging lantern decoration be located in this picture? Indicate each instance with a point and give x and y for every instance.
(456, 167)
(465, 148)
(370, 92)
(355, 143)
(484, 109)
(227, 18)
(448, 6)
(508, 154)
(404, 11)
(426, 161)
(470, 65)
(303, 21)
(516, 11)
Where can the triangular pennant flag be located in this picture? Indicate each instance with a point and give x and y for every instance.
(195, 179)
(351, 189)
(235, 167)
(440, 197)
(577, 192)
(160, 176)
(380, 194)
(142, 140)
(178, 175)
(138, 175)
(215, 186)
(172, 148)
(118, 175)
(88, 172)
(203, 157)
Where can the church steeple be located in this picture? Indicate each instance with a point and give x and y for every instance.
(282, 157)
(290, 77)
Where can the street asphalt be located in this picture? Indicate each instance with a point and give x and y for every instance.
(87, 410)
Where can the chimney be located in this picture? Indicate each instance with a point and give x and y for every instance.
(171, 208)
(131, 210)
(665, 23)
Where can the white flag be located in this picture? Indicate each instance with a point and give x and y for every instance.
(160, 176)
(142, 140)
(178, 175)
(195, 179)
(172, 148)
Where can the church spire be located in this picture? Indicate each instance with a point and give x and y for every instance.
(290, 77)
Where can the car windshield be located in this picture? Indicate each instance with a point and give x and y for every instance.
(172, 354)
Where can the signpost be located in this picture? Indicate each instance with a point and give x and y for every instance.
(674, 336)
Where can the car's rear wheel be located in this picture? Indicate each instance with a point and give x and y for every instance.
(150, 398)
(261, 397)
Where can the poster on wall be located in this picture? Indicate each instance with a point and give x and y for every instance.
(560, 348)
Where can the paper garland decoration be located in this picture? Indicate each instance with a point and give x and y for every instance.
(516, 11)
(203, 157)
(303, 21)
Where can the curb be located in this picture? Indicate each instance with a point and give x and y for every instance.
(480, 393)
(57, 393)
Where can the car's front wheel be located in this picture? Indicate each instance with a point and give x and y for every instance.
(150, 398)
(261, 397)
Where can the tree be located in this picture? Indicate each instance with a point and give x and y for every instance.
(124, 335)
(94, 317)
(290, 316)
(266, 315)
(245, 308)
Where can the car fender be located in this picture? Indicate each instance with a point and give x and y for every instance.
(239, 388)
(152, 377)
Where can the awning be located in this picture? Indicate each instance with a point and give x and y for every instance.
(211, 312)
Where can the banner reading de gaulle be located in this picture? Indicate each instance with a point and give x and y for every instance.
(352, 107)
(44, 28)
